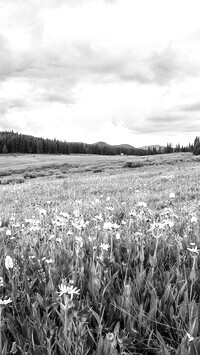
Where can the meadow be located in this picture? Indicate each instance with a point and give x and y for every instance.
(100, 255)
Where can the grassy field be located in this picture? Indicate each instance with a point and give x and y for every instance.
(100, 255)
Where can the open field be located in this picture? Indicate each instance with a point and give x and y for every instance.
(102, 260)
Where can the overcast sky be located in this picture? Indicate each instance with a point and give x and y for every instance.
(120, 71)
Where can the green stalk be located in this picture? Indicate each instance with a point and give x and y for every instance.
(0, 334)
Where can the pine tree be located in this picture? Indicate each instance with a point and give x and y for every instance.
(5, 149)
(196, 150)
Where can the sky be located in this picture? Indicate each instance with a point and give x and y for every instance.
(119, 71)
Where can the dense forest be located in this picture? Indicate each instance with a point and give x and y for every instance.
(11, 142)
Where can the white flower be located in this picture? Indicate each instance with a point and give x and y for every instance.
(142, 204)
(115, 226)
(190, 338)
(8, 262)
(70, 290)
(42, 212)
(172, 195)
(8, 232)
(170, 224)
(193, 250)
(99, 217)
(1, 281)
(5, 302)
(132, 214)
(64, 214)
(79, 241)
(117, 236)
(104, 246)
(52, 236)
(194, 219)
(49, 261)
(107, 226)
(108, 199)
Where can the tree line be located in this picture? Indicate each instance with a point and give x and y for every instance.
(13, 142)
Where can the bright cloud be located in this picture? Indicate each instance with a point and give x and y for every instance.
(122, 71)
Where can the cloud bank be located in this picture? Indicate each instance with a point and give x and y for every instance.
(121, 71)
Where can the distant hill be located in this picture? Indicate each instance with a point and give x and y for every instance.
(102, 144)
(157, 146)
(126, 146)
(123, 146)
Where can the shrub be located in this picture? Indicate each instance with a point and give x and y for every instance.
(30, 175)
(97, 170)
(19, 180)
(132, 164)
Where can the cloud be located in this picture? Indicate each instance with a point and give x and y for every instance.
(165, 124)
(194, 107)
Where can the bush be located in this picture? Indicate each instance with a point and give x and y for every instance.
(132, 164)
(30, 175)
(97, 170)
(196, 150)
(19, 180)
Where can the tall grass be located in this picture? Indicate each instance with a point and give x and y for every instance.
(102, 265)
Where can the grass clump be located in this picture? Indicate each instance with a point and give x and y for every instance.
(30, 175)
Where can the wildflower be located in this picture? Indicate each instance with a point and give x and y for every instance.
(142, 204)
(8, 233)
(132, 214)
(117, 236)
(5, 302)
(172, 195)
(169, 223)
(52, 236)
(64, 214)
(79, 241)
(107, 226)
(1, 281)
(49, 202)
(194, 219)
(49, 261)
(99, 217)
(70, 290)
(115, 226)
(8, 262)
(110, 336)
(104, 246)
(190, 338)
(109, 208)
(42, 212)
(194, 251)
(76, 213)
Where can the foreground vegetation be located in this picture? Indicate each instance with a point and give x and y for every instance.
(104, 263)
